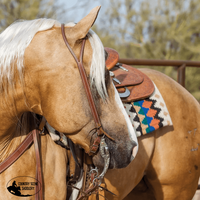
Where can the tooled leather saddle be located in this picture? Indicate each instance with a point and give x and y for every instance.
(130, 82)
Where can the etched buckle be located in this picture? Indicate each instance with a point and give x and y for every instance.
(94, 148)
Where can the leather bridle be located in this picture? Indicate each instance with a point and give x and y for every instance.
(98, 127)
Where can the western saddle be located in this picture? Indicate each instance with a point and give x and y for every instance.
(131, 83)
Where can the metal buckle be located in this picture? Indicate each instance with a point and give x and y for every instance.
(95, 146)
(41, 131)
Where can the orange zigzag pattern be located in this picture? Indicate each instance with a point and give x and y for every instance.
(151, 113)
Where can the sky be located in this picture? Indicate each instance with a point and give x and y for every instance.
(81, 10)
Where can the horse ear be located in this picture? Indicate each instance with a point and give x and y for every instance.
(81, 29)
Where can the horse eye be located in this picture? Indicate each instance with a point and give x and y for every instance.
(106, 54)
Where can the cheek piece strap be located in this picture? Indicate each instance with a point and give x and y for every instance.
(98, 127)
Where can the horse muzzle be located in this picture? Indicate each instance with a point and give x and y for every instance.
(121, 154)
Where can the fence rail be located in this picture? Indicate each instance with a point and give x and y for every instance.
(179, 64)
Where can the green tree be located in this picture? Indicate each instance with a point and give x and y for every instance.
(167, 29)
(12, 10)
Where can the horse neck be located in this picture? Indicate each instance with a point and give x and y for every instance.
(15, 134)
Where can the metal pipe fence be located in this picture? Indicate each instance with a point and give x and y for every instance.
(179, 64)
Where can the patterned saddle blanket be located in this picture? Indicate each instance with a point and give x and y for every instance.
(148, 114)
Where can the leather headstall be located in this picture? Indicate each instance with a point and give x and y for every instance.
(99, 130)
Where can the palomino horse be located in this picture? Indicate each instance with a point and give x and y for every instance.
(39, 74)
(167, 166)
(54, 165)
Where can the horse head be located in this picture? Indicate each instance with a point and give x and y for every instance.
(48, 77)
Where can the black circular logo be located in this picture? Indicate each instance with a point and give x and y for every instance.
(23, 186)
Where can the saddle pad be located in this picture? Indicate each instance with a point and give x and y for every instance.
(149, 114)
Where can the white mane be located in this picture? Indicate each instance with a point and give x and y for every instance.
(13, 42)
(97, 70)
(16, 38)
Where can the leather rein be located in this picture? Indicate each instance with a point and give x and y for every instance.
(32, 137)
(98, 127)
